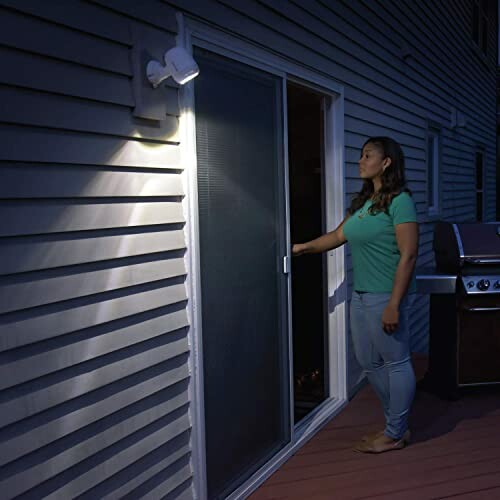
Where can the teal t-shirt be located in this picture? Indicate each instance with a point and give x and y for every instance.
(374, 249)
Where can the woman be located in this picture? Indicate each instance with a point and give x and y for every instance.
(381, 227)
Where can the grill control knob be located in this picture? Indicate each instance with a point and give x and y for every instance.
(496, 285)
(483, 285)
(470, 284)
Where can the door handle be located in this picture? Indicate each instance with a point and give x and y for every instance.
(482, 261)
(286, 265)
(480, 309)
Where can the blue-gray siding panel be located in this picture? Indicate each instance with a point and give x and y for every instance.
(61, 146)
(44, 109)
(94, 354)
(33, 253)
(49, 39)
(28, 181)
(68, 78)
(79, 16)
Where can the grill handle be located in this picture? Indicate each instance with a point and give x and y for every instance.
(480, 309)
(472, 260)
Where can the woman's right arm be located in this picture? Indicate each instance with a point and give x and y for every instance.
(328, 241)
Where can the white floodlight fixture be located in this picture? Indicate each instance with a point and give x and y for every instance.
(179, 64)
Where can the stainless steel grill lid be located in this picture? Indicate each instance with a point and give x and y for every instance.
(472, 244)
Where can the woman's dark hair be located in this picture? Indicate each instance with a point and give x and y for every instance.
(393, 178)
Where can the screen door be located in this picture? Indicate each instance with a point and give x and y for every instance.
(242, 238)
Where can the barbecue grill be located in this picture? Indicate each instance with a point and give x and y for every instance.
(464, 336)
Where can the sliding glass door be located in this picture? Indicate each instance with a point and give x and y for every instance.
(244, 297)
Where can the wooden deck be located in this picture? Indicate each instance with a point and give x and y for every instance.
(455, 453)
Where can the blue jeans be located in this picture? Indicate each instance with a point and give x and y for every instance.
(385, 358)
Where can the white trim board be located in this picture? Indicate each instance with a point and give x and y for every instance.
(192, 32)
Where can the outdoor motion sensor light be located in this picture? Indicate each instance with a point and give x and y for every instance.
(178, 64)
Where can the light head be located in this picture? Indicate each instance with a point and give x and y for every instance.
(179, 64)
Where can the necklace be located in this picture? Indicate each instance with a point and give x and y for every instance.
(361, 213)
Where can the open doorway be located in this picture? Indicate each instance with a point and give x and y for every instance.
(307, 221)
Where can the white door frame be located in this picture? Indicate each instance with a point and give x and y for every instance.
(192, 32)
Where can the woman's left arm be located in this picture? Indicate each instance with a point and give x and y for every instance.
(407, 240)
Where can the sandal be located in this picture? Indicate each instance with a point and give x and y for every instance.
(376, 446)
(372, 437)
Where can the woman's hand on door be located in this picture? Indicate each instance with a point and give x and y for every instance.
(299, 249)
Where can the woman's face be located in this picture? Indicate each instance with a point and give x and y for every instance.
(372, 162)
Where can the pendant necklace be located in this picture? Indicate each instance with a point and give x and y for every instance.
(361, 213)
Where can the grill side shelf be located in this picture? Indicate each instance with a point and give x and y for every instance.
(436, 283)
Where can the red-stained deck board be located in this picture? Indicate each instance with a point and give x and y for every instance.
(486, 494)
(455, 453)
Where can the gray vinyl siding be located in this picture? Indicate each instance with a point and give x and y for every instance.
(94, 350)
(362, 45)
